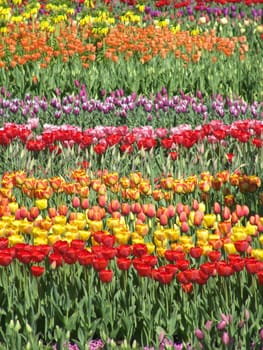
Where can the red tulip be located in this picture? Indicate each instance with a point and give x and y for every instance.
(37, 271)
(100, 148)
(85, 258)
(5, 259)
(60, 247)
(123, 263)
(191, 275)
(77, 244)
(196, 252)
(214, 255)
(260, 277)
(253, 266)
(165, 277)
(188, 287)
(139, 249)
(24, 256)
(105, 276)
(108, 240)
(182, 265)
(209, 268)
(55, 259)
(181, 277)
(241, 246)
(143, 269)
(173, 155)
(123, 251)
(37, 256)
(98, 236)
(149, 260)
(109, 252)
(3, 242)
(100, 263)
(224, 269)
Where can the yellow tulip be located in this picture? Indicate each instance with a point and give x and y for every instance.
(172, 233)
(257, 253)
(230, 248)
(251, 229)
(72, 227)
(58, 229)
(53, 238)
(138, 241)
(142, 229)
(112, 223)
(39, 233)
(206, 249)
(202, 235)
(122, 237)
(84, 235)
(40, 240)
(5, 232)
(185, 240)
(239, 233)
(25, 227)
(80, 224)
(13, 206)
(150, 247)
(160, 251)
(60, 219)
(209, 220)
(160, 235)
(8, 219)
(260, 238)
(71, 235)
(160, 243)
(95, 225)
(213, 237)
(15, 239)
(187, 247)
(41, 204)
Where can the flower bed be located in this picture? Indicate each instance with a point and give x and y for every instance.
(131, 202)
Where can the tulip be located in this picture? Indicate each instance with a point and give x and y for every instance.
(5, 259)
(196, 252)
(199, 334)
(99, 264)
(225, 338)
(37, 271)
(106, 276)
(241, 246)
(123, 263)
(63, 209)
(76, 202)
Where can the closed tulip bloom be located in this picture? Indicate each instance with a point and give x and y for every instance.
(106, 276)
(199, 334)
(196, 252)
(99, 264)
(225, 338)
(5, 259)
(55, 260)
(123, 263)
(37, 271)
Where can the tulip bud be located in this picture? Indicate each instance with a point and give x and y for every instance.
(226, 213)
(217, 208)
(184, 227)
(225, 338)
(84, 203)
(198, 218)
(199, 334)
(75, 202)
(163, 219)
(195, 204)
